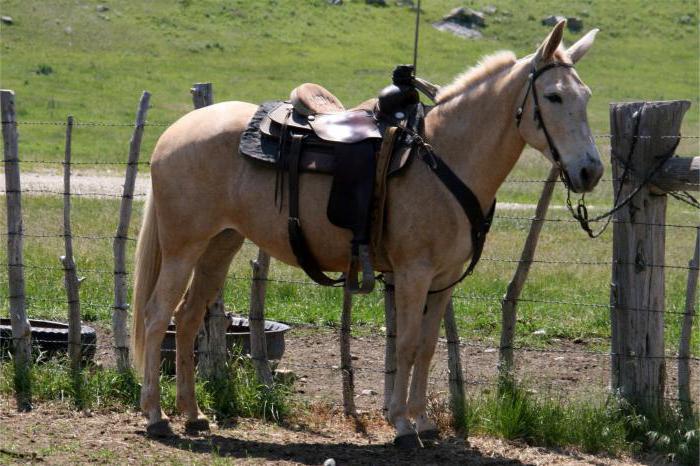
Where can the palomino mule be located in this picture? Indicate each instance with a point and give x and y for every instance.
(205, 200)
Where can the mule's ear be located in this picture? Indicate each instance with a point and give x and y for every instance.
(580, 48)
(551, 43)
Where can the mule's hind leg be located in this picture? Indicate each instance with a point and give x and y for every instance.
(430, 328)
(411, 289)
(209, 276)
(176, 268)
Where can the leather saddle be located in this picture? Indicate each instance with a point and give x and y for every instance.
(314, 133)
(361, 148)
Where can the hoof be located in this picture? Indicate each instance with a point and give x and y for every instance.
(430, 436)
(160, 429)
(408, 442)
(197, 426)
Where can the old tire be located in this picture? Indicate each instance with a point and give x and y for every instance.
(49, 337)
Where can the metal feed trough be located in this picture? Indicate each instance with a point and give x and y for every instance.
(237, 339)
(50, 338)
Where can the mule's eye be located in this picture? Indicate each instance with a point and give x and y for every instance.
(554, 98)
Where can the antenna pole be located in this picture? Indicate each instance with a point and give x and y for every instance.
(415, 40)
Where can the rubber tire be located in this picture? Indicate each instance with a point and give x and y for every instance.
(49, 337)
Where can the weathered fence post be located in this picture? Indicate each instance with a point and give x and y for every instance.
(686, 332)
(454, 364)
(346, 369)
(515, 287)
(21, 330)
(256, 317)
(390, 348)
(211, 347)
(70, 275)
(643, 135)
(202, 95)
(121, 304)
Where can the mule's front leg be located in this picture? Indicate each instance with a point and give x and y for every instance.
(411, 290)
(430, 329)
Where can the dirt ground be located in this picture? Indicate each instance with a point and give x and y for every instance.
(56, 434)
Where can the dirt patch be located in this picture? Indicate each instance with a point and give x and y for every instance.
(55, 433)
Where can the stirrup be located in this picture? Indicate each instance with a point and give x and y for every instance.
(363, 262)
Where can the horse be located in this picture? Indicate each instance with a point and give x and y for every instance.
(205, 200)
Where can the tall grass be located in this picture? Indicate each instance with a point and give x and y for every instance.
(236, 392)
(600, 423)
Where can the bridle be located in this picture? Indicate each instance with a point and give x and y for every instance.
(534, 74)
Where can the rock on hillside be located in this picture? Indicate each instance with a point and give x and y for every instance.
(462, 22)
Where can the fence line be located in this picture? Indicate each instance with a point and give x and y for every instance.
(470, 297)
(131, 165)
(488, 348)
(164, 123)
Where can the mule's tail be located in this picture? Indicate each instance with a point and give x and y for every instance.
(146, 270)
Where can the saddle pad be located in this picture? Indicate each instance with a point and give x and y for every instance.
(258, 146)
(257, 143)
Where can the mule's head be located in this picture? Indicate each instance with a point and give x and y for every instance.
(552, 115)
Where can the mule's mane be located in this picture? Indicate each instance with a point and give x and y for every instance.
(485, 68)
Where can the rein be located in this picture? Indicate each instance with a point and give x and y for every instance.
(580, 213)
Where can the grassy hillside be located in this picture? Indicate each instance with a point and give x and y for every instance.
(66, 57)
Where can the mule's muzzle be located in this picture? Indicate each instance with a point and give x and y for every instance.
(585, 176)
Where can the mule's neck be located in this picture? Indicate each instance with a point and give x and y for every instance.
(475, 132)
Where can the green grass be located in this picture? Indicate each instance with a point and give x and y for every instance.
(595, 424)
(236, 393)
(63, 57)
(568, 299)
(259, 50)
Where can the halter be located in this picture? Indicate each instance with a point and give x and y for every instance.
(534, 74)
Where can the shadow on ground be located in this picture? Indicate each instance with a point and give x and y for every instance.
(451, 451)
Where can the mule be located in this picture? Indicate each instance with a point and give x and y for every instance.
(206, 199)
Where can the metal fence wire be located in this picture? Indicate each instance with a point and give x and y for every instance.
(438, 377)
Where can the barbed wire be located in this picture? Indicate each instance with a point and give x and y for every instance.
(85, 162)
(165, 123)
(79, 123)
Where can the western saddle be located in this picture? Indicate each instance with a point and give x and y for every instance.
(360, 148)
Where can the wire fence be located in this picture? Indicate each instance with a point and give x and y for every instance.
(438, 376)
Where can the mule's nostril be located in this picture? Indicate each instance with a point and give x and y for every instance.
(585, 176)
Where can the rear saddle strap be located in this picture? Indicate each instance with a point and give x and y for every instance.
(297, 241)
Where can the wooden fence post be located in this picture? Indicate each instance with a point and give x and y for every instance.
(390, 348)
(211, 347)
(454, 364)
(346, 369)
(686, 332)
(202, 95)
(640, 141)
(515, 287)
(256, 317)
(121, 304)
(70, 275)
(21, 330)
